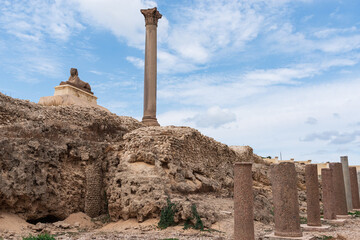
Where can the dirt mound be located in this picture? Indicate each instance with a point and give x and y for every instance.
(10, 222)
(80, 220)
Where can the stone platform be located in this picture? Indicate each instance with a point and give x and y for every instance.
(335, 222)
(322, 228)
(66, 95)
(304, 237)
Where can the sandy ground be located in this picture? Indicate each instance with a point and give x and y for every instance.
(80, 226)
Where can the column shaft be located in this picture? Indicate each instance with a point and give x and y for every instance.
(328, 197)
(243, 202)
(150, 71)
(312, 195)
(339, 189)
(345, 167)
(285, 197)
(354, 188)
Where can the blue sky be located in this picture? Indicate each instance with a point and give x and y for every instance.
(277, 75)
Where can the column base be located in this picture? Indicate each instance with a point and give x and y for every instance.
(322, 228)
(335, 222)
(150, 121)
(343, 216)
(272, 236)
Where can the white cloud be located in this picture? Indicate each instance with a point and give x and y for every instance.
(36, 20)
(122, 18)
(213, 117)
(137, 62)
(311, 121)
(230, 89)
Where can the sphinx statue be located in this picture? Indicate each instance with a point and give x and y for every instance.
(75, 81)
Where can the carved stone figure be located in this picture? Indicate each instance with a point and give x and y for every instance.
(75, 81)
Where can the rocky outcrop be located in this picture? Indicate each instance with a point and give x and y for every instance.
(55, 161)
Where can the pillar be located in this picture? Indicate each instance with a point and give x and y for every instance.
(328, 197)
(152, 16)
(345, 167)
(354, 187)
(312, 195)
(358, 175)
(285, 198)
(243, 202)
(339, 189)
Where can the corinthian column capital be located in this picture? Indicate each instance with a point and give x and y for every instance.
(152, 15)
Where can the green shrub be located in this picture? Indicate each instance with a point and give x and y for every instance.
(198, 223)
(39, 237)
(303, 220)
(323, 237)
(167, 215)
(355, 214)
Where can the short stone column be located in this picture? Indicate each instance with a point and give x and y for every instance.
(312, 195)
(285, 198)
(345, 167)
(339, 189)
(358, 175)
(328, 197)
(152, 16)
(354, 187)
(243, 202)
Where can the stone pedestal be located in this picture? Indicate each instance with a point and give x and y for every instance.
(328, 196)
(285, 198)
(243, 202)
(150, 72)
(354, 188)
(339, 189)
(66, 95)
(345, 167)
(312, 195)
(74, 91)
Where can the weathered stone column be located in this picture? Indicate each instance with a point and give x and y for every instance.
(358, 175)
(345, 167)
(312, 195)
(285, 198)
(243, 202)
(328, 196)
(339, 189)
(354, 188)
(152, 16)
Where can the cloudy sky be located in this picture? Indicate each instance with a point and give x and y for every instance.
(277, 75)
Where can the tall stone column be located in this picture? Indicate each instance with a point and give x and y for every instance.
(328, 196)
(354, 188)
(243, 202)
(339, 189)
(152, 16)
(312, 195)
(285, 198)
(345, 167)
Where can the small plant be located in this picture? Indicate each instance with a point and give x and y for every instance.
(198, 223)
(303, 220)
(39, 237)
(167, 215)
(323, 237)
(355, 214)
(272, 211)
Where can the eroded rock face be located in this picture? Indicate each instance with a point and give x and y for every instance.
(55, 161)
(44, 152)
